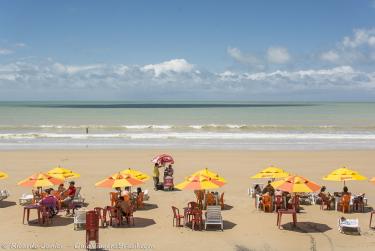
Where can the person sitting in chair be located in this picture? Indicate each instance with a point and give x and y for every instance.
(124, 206)
(345, 191)
(69, 193)
(50, 202)
(257, 190)
(269, 189)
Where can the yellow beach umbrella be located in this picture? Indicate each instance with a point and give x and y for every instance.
(40, 180)
(3, 175)
(119, 180)
(135, 173)
(271, 172)
(200, 182)
(210, 174)
(344, 174)
(63, 173)
(296, 184)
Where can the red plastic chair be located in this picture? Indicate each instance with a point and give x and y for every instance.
(199, 194)
(92, 228)
(295, 203)
(177, 217)
(222, 200)
(197, 219)
(191, 206)
(359, 204)
(102, 213)
(278, 202)
(129, 217)
(113, 196)
(280, 213)
(114, 216)
(267, 203)
(371, 214)
(45, 215)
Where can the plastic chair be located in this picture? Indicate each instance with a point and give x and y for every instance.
(113, 196)
(222, 200)
(102, 214)
(46, 215)
(213, 217)
(114, 216)
(371, 214)
(92, 228)
(278, 203)
(345, 203)
(140, 203)
(191, 206)
(177, 217)
(210, 200)
(359, 204)
(197, 219)
(199, 194)
(280, 213)
(129, 215)
(267, 203)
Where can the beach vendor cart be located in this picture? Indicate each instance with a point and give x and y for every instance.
(168, 184)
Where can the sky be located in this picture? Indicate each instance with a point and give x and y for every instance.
(180, 50)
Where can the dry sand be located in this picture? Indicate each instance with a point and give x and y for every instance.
(245, 228)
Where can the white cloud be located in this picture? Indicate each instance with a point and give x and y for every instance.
(241, 57)
(20, 45)
(330, 56)
(72, 69)
(361, 37)
(178, 81)
(278, 55)
(5, 51)
(174, 65)
(356, 49)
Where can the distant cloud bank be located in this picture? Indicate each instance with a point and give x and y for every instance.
(341, 69)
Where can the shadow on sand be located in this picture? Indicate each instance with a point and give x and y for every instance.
(227, 225)
(306, 227)
(56, 222)
(4, 204)
(148, 206)
(139, 222)
(227, 207)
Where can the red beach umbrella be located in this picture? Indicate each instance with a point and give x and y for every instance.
(163, 159)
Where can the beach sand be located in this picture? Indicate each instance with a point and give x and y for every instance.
(245, 228)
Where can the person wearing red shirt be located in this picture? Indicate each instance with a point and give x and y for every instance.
(70, 193)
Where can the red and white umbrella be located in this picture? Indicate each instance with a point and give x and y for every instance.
(163, 159)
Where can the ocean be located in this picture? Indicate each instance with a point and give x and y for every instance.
(227, 125)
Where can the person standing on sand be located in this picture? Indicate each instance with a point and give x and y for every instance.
(156, 175)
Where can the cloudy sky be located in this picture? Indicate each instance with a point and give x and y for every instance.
(216, 50)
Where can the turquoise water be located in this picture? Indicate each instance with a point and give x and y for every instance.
(187, 124)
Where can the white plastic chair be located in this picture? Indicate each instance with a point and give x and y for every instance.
(26, 199)
(213, 217)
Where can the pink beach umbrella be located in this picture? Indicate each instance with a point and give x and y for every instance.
(163, 159)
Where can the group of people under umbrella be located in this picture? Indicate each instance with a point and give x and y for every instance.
(284, 191)
(281, 185)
